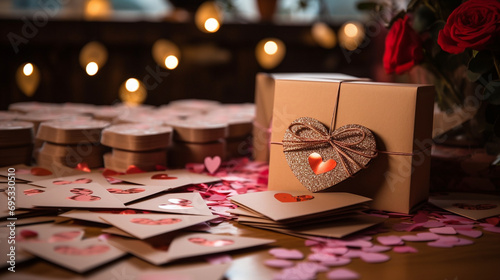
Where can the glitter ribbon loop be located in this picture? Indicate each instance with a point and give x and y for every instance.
(341, 141)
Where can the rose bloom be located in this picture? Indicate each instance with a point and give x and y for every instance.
(474, 24)
(403, 47)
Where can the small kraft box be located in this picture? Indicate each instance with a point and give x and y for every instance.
(367, 138)
(264, 100)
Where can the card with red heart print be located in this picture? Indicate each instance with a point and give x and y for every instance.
(78, 256)
(144, 226)
(73, 181)
(169, 179)
(93, 215)
(196, 244)
(471, 205)
(178, 203)
(283, 206)
(130, 193)
(47, 233)
(77, 196)
(186, 245)
(36, 173)
(26, 195)
(21, 255)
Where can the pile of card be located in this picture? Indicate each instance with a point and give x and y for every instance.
(304, 214)
(143, 214)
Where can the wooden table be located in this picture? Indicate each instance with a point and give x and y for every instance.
(478, 261)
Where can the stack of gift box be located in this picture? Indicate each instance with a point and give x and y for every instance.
(141, 145)
(71, 142)
(16, 142)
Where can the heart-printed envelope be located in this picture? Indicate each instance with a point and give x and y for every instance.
(78, 256)
(281, 205)
(320, 158)
(147, 225)
(36, 173)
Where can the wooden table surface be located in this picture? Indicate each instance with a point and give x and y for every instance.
(480, 260)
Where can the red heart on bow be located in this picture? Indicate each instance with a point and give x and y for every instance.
(162, 176)
(75, 251)
(211, 243)
(147, 221)
(40, 171)
(286, 197)
(318, 165)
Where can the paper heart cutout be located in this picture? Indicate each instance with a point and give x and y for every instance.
(147, 221)
(176, 204)
(286, 197)
(40, 171)
(319, 166)
(211, 243)
(162, 176)
(64, 236)
(28, 234)
(343, 274)
(125, 191)
(481, 206)
(348, 149)
(31, 192)
(77, 181)
(212, 164)
(288, 254)
(76, 251)
(82, 194)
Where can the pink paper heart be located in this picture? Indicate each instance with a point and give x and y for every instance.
(289, 254)
(444, 242)
(336, 261)
(335, 251)
(470, 233)
(212, 164)
(376, 249)
(404, 249)
(423, 236)
(374, 257)
(492, 229)
(279, 263)
(464, 242)
(342, 274)
(443, 230)
(433, 224)
(321, 257)
(353, 253)
(390, 240)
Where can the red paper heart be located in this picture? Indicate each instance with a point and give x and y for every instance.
(286, 197)
(147, 221)
(132, 169)
(127, 191)
(82, 166)
(39, 171)
(211, 243)
(318, 165)
(28, 234)
(162, 176)
(75, 251)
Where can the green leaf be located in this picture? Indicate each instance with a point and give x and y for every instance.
(481, 63)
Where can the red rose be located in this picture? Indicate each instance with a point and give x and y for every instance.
(403, 47)
(474, 24)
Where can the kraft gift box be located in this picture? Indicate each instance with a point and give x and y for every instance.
(264, 100)
(398, 115)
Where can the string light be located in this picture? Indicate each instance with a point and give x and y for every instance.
(132, 84)
(351, 35)
(208, 17)
(92, 68)
(166, 54)
(93, 56)
(270, 52)
(28, 78)
(171, 62)
(28, 69)
(132, 92)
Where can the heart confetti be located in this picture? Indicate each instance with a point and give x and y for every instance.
(147, 221)
(162, 176)
(287, 254)
(212, 164)
(351, 147)
(342, 274)
(76, 251)
(211, 243)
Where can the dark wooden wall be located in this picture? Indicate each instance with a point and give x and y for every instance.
(54, 47)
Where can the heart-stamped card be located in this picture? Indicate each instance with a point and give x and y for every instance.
(179, 203)
(169, 178)
(36, 173)
(320, 158)
(471, 205)
(145, 226)
(47, 233)
(75, 180)
(130, 193)
(78, 196)
(284, 205)
(78, 256)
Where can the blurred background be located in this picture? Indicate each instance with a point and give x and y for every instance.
(155, 51)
